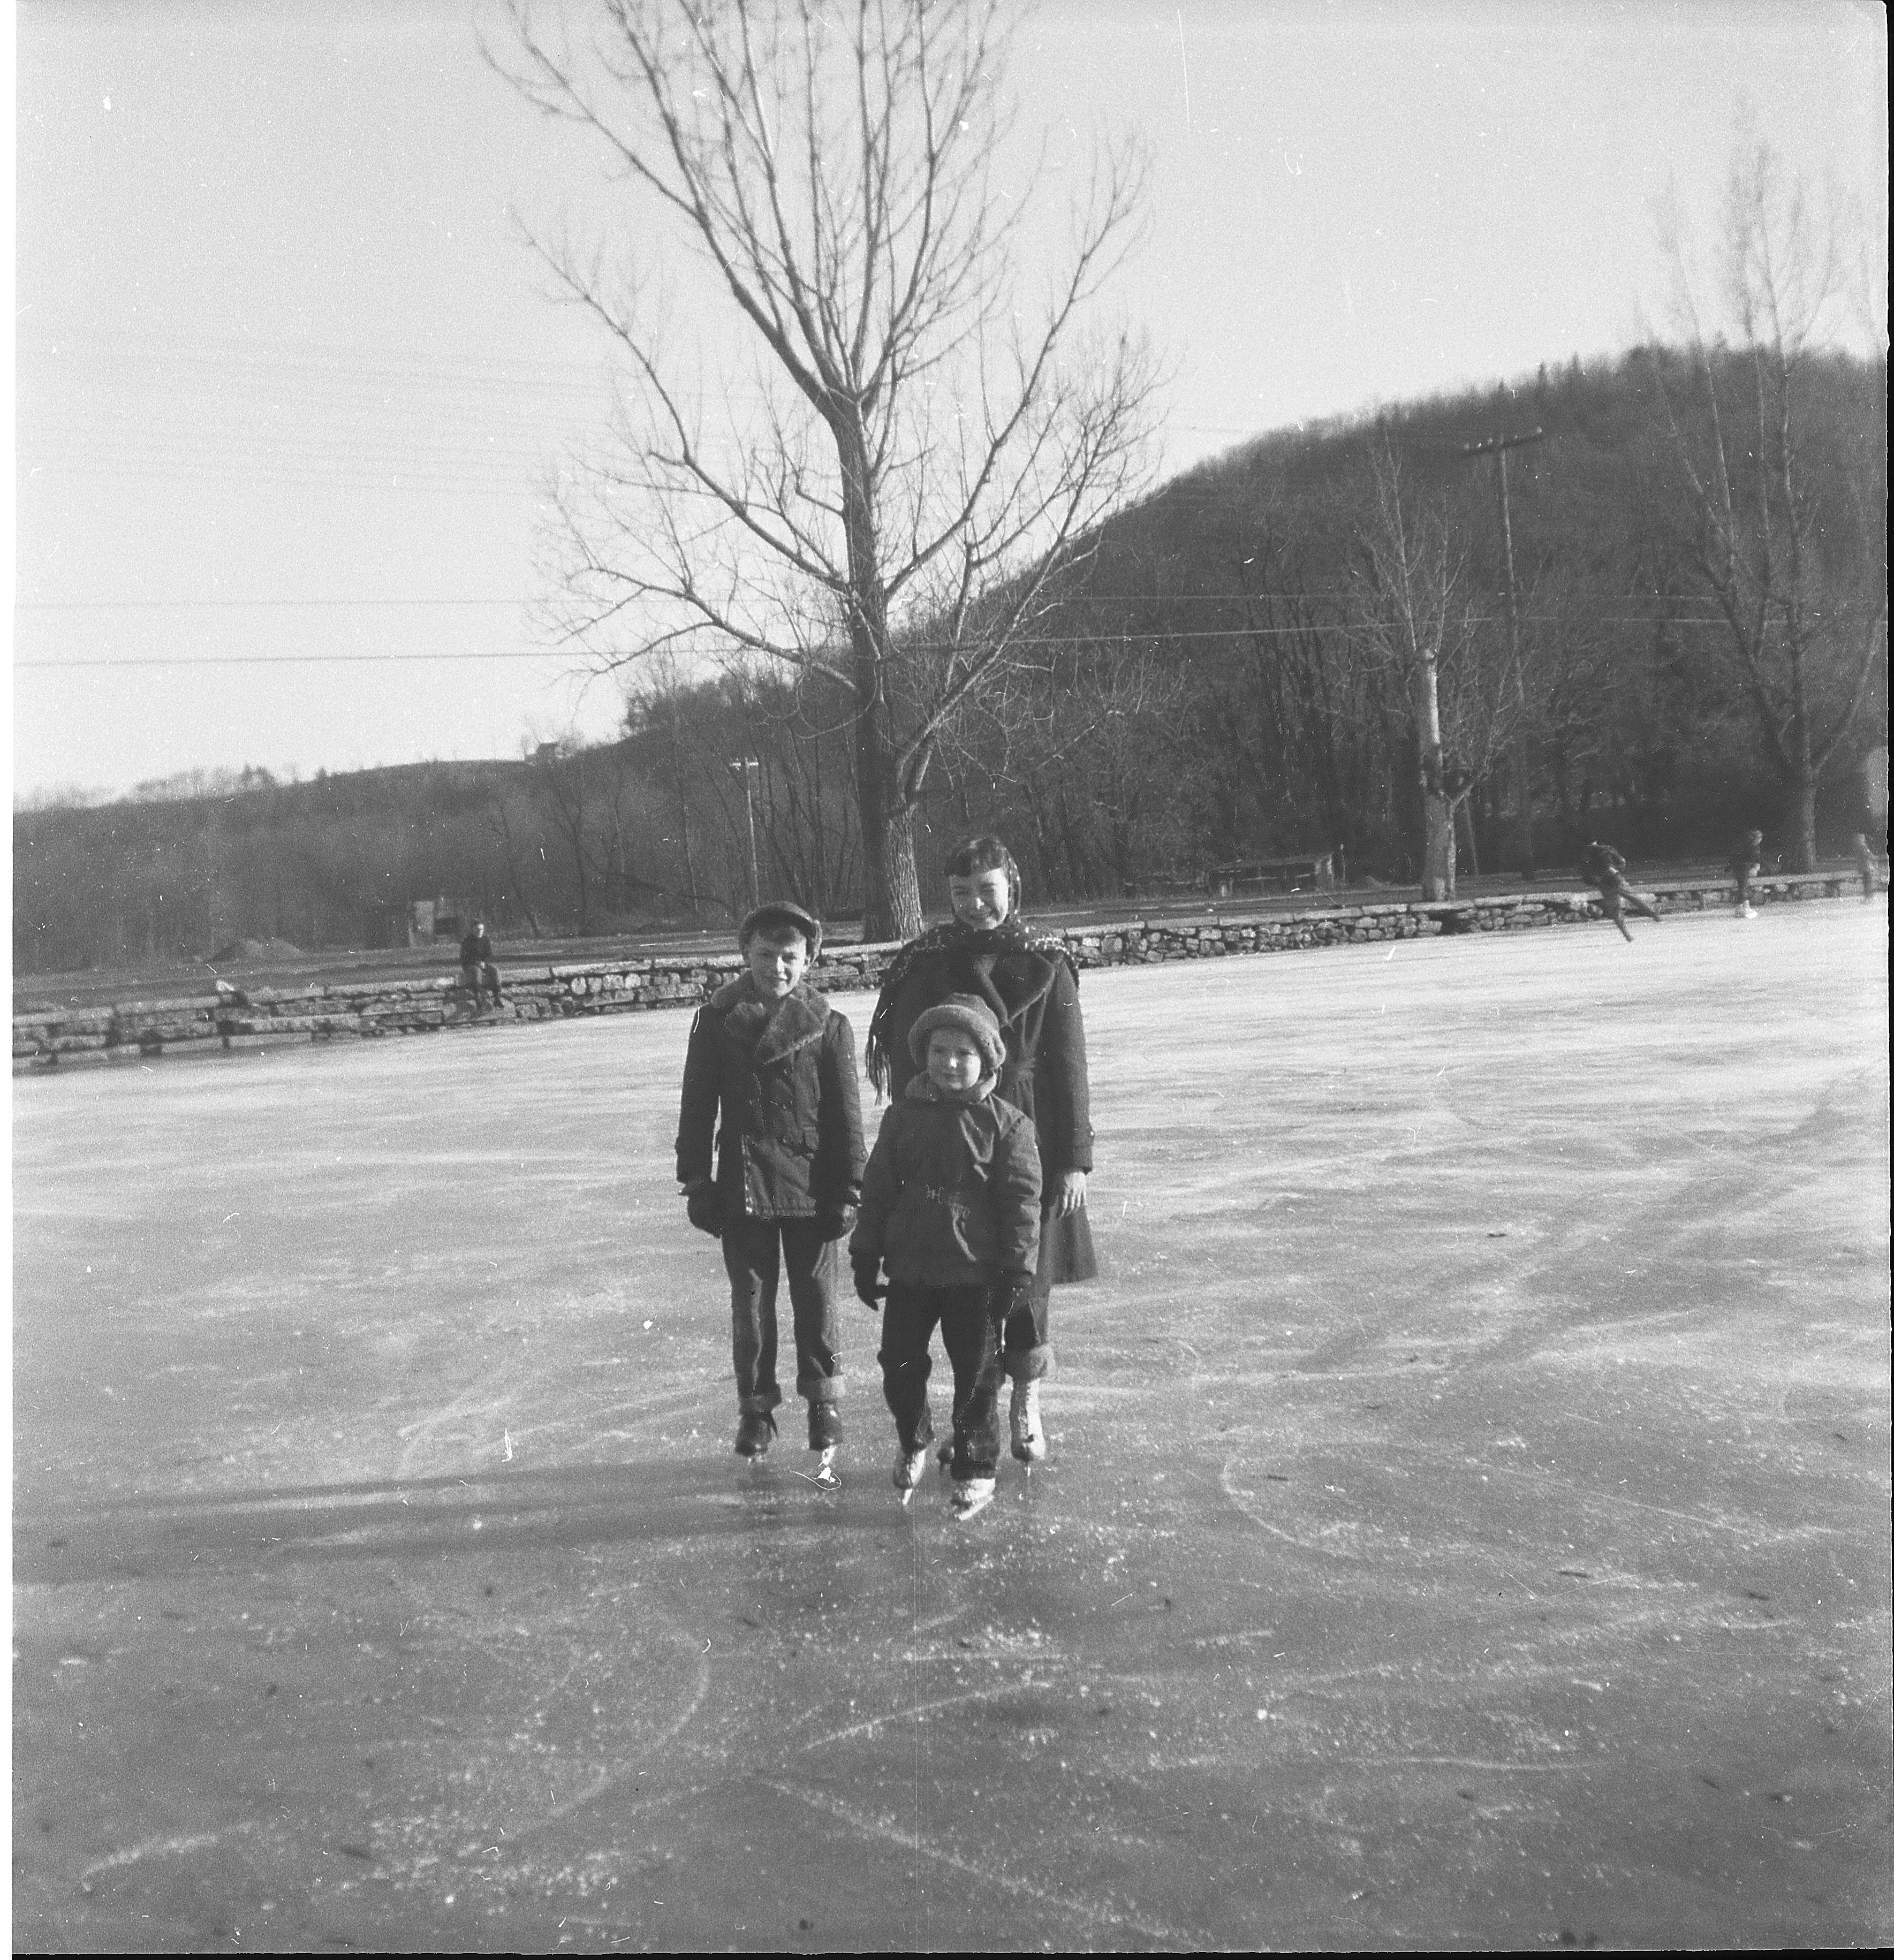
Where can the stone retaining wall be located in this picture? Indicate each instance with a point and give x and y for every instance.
(231, 1018)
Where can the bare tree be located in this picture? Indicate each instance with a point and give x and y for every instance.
(919, 454)
(1799, 581)
(1410, 613)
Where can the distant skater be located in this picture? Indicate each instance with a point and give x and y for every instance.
(950, 1206)
(1864, 865)
(477, 969)
(1604, 868)
(1746, 862)
(778, 1063)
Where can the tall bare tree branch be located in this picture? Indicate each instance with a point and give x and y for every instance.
(927, 452)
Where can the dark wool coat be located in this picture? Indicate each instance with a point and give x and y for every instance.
(1034, 996)
(783, 1075)
(951, 1197)
(1603, 866)
(1035, 1000)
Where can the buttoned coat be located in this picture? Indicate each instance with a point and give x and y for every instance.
(775, 1081)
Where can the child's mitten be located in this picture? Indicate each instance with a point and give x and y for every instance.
(700, 1206)
(866, 1290)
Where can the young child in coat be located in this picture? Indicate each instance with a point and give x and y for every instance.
(950, 1206)
(770, 1052)
(1745, 863)
(1864, 865)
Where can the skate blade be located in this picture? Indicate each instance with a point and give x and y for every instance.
(824, 1476)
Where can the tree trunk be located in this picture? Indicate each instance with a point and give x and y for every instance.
(1802, 844)
(1437, 862)
(891, 892)
(1803, 772)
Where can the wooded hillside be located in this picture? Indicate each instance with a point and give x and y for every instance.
(1232, 675)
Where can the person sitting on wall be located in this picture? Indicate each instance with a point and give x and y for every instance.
(477, 969)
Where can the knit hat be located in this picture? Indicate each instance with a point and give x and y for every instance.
(974, 1019)
(782, 914)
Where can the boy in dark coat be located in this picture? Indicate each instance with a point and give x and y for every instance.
(1605, 867)
(770, 1053)
(950, 1205)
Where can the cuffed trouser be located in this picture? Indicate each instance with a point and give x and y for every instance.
(1026, 1348)
(970, 1332)
(481, 974)
(756, 1251)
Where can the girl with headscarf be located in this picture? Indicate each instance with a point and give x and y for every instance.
(1028, 981)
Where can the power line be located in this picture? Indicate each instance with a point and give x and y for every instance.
(621, 654)
(228, 605)
(1084, 599)
(283, 659)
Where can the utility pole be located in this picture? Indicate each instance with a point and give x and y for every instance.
(748, 763)
(1496, 446)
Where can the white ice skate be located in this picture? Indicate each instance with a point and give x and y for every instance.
(910, 1467)
(825, 1478)
(1029, 1432)
(970, 1498)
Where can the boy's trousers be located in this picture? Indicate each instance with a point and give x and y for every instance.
(756, 1251)
(970, 1332)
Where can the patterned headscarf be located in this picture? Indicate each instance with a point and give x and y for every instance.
(1011, 935)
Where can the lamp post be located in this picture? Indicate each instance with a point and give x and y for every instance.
(748, 763)
(1496, 446)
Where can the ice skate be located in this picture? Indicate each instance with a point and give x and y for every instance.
(1748, 912)
(970, 1497)
(1029, 1432)
(910, 1467)
(756, 1430)
(825, 1437)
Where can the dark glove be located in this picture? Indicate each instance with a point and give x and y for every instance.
(701, 1207)
(837, 1224)
(866, 1290)
(1014, 1294)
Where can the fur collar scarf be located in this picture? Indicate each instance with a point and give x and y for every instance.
(952, 940)
(772, 1029)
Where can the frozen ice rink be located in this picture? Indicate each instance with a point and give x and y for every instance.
(1467, 1523)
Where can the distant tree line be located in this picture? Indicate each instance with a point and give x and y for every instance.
(1243, 673)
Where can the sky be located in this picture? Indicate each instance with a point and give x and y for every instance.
(290, 387)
